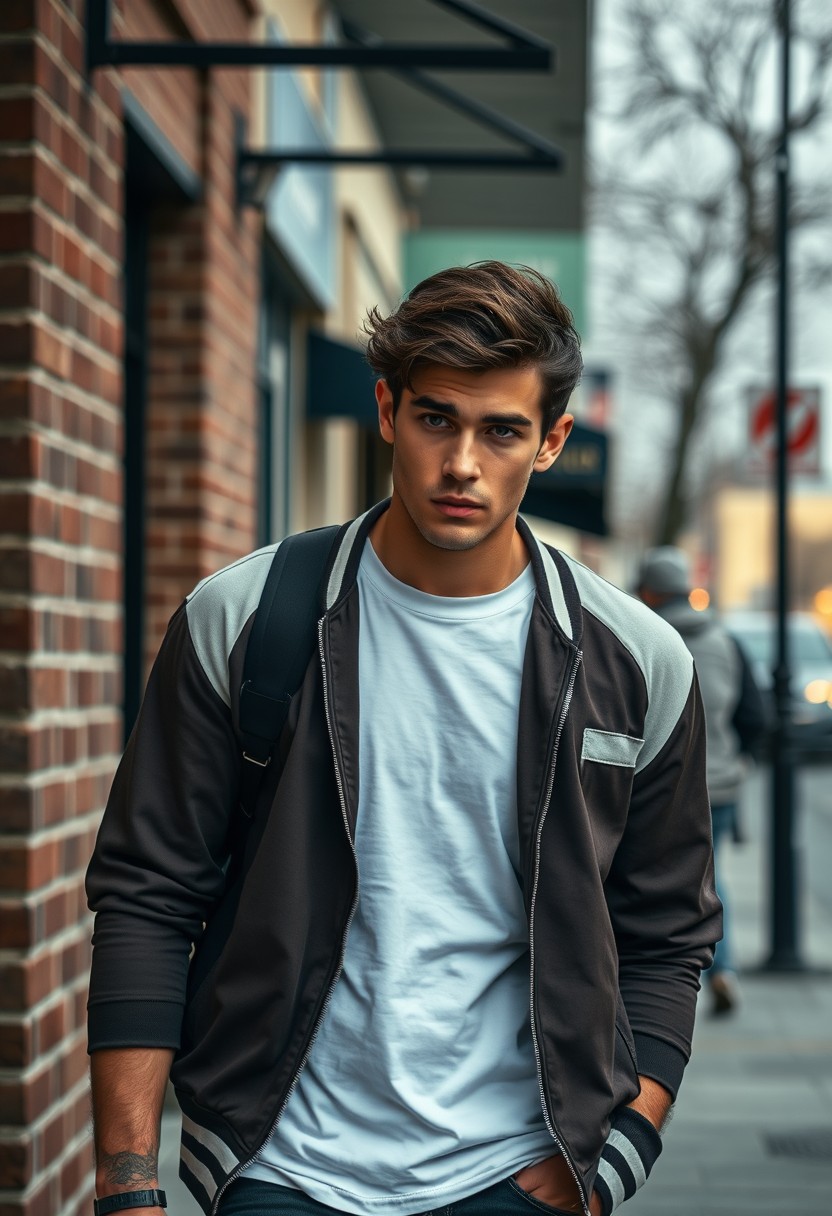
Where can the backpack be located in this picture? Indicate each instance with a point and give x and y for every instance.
(278, 651)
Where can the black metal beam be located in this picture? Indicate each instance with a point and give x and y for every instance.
(526, 54)
(256, 169)
(477, 15)
(269, 54)
(429, 157)
(477, 111)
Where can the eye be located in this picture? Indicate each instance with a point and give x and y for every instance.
(504, 432)
(434, 422)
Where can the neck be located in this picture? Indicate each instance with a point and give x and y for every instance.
(489, 567)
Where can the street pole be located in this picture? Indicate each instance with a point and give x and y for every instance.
(785, 953)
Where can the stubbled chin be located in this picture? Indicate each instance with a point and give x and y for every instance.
(454, 542)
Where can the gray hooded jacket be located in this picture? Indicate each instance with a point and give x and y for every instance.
(719, 669)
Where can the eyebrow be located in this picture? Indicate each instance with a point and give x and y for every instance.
(445, 407)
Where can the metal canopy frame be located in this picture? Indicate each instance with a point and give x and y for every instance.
(522, 51)
(257, 167)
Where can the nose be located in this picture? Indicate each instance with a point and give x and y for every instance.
(461, 463)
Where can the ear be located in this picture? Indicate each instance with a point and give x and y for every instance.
(553, 444)
(384, 397)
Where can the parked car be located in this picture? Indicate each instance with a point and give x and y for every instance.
(810, 660)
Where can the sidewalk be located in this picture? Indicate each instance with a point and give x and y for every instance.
(758, 1076)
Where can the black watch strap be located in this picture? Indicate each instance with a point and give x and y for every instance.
(130, 1199)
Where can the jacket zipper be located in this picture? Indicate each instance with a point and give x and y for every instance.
(550, 1123)
(342, 798)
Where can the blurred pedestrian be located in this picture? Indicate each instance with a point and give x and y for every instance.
(506, 750)
(735, 722)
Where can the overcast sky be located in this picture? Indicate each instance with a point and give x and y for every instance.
(642, 423)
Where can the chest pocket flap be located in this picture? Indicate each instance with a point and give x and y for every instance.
(607, 747)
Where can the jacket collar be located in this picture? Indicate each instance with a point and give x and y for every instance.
(555, 584)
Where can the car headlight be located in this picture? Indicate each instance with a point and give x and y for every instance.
(818, 691)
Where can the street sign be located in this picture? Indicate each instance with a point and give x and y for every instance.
(803, 426)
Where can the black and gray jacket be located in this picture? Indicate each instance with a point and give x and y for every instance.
(615, 835)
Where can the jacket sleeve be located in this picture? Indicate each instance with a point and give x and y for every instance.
(663, 904)
(157, 868)
(666, 918)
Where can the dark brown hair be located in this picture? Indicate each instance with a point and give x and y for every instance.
(488, 315)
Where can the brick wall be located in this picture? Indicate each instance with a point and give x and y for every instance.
(60, 486)
(202, 424)
(61, 207)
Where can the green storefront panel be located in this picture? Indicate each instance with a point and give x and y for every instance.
(558, 255)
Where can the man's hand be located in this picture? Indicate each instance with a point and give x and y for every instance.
(128, 1090)
(552, 1183)
(551, 1180)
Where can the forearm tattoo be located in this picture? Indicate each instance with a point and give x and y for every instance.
(122, 1168)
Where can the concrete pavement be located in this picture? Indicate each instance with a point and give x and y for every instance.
(752, 1133)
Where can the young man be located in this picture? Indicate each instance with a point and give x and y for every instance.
(453, 967)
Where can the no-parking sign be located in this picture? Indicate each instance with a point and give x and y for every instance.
(802, 429)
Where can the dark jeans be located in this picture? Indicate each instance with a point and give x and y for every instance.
(250, 1198)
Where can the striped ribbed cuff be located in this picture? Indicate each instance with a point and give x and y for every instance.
(629, 1155)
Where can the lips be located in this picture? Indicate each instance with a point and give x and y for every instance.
(457, 508)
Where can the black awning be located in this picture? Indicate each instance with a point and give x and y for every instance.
(572, 492)
(339, 382)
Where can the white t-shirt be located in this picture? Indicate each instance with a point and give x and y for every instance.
(421, 1086)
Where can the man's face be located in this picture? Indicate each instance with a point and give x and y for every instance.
(464, 447)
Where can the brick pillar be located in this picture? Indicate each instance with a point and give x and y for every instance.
(204, 287)
(60, 579)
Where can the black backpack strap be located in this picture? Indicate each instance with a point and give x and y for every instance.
(278, 651)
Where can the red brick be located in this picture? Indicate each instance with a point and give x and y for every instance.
(18, 118)
(17, 172)
(42, 1202)
(16, 1162)
(16, 342)
(16, 1044)
(74, 1064)
(75, 961)
(71, 257)
(76, 1170)
(14, 396)
(70, 149)
(56, 799)
(25, 868)
(17, 808)
(54, 1137)
(106, 186)
(17, 62)
(16, 286)
(16, 16)
(50, 1028)
(14, 689)
(72, 47)
(23, 1099)
(50, 350)
(18, 456)
(17, 924)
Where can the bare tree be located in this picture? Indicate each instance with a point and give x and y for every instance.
(688, 187)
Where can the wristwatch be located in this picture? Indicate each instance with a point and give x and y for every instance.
(130, 1199)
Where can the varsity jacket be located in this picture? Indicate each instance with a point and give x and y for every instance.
(223, 939)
